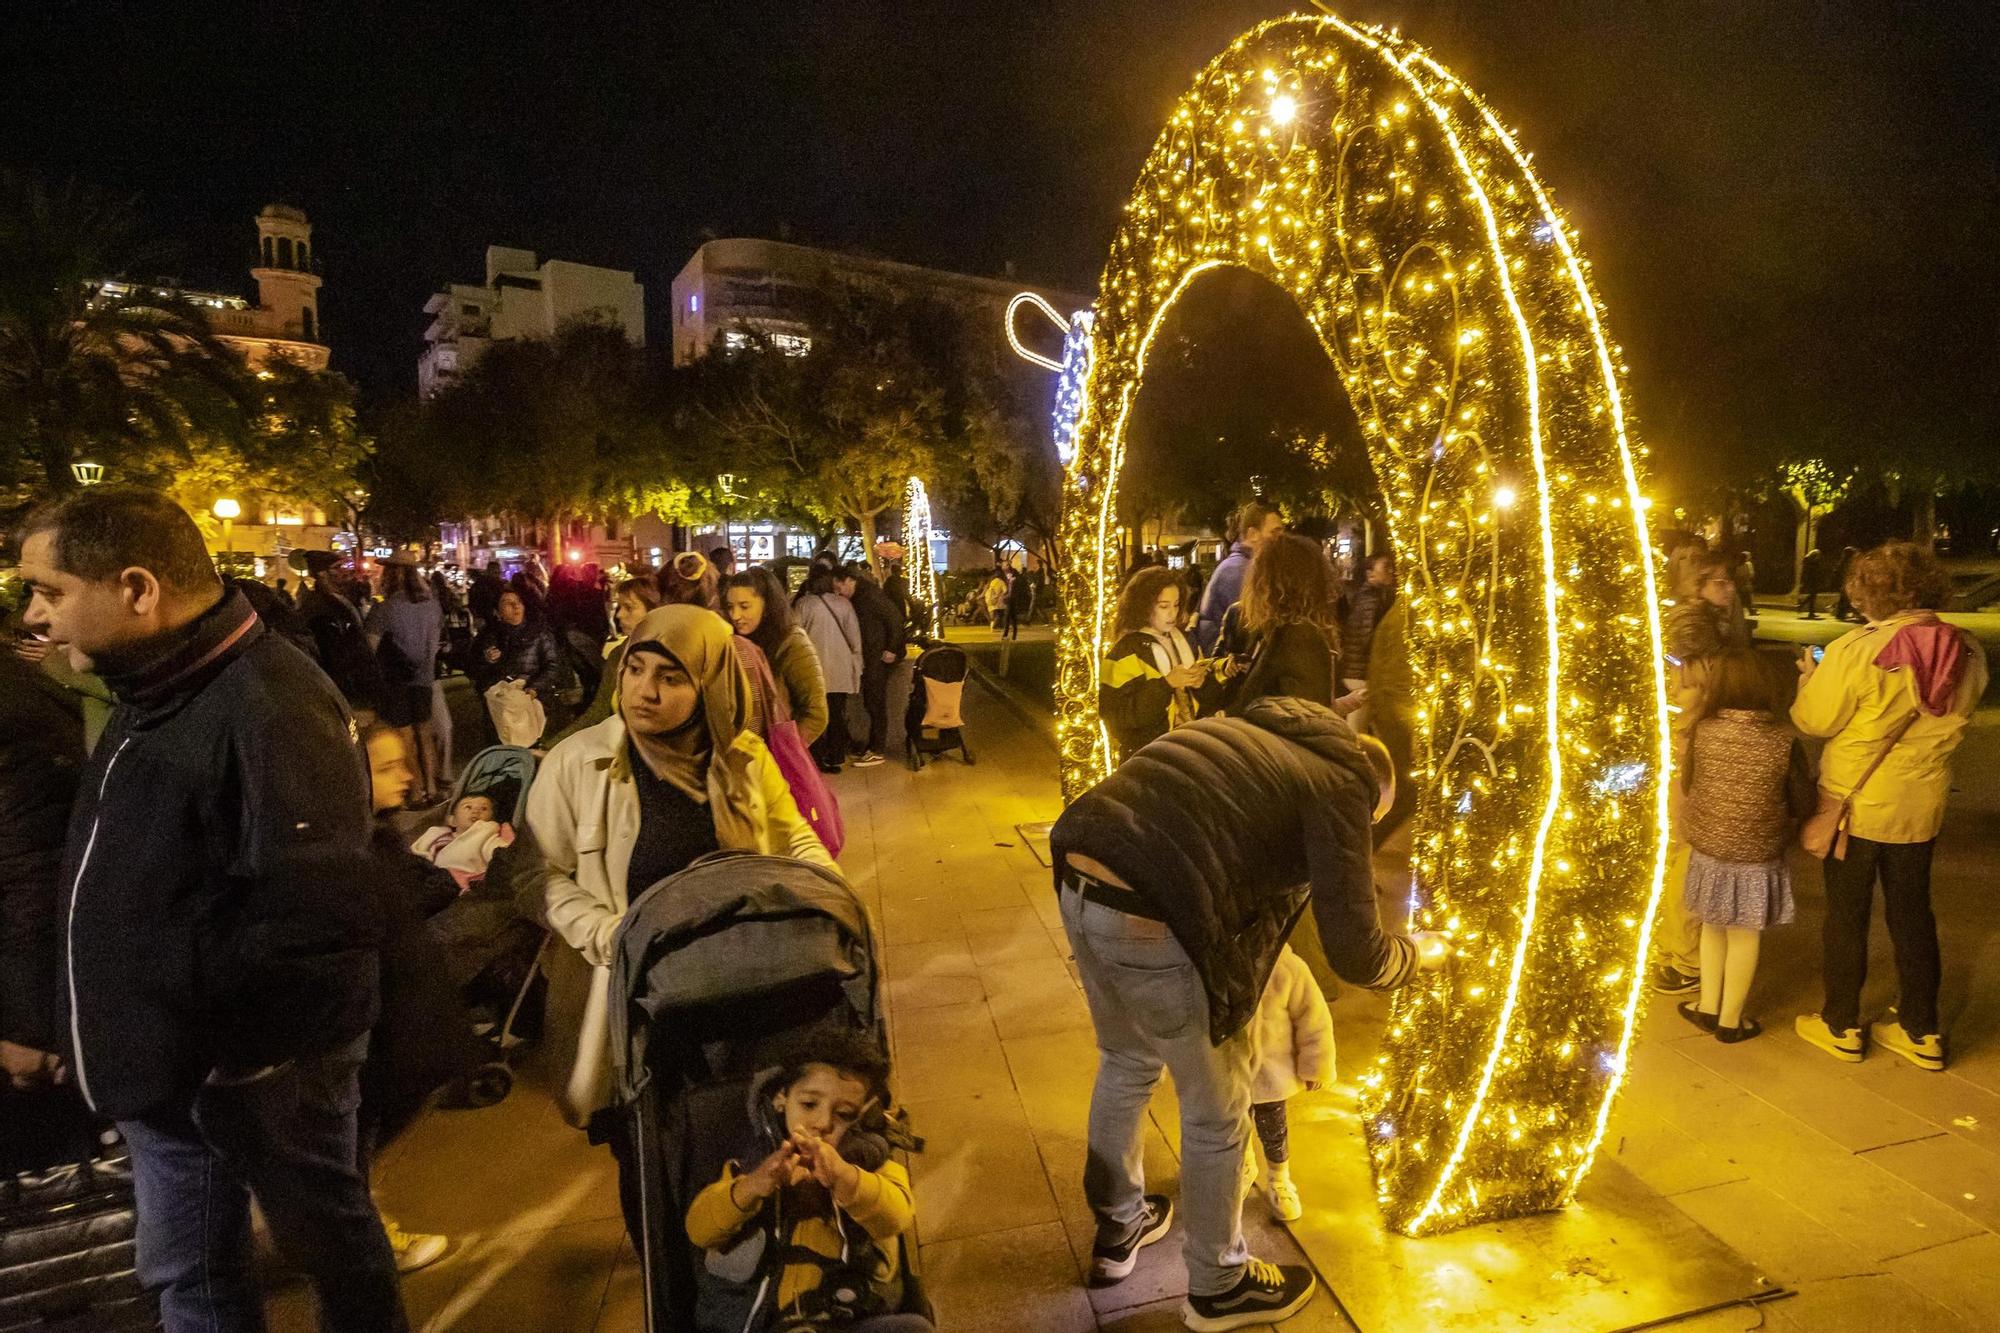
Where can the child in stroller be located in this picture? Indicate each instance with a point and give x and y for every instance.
(745, 1020)
(829, 1199)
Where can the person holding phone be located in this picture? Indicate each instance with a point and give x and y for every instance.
(1152, 680)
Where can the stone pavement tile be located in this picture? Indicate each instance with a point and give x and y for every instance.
(949, 1051)
(1802, 1082)
(980, 1171)
(624, 1308)
(1944, 1168)
(933, 958)
(1865, 1303)
(919, 921)
(1023, 1278)
(1783, 1243)
(1953, 1103)
(1153, 1317)
(1033, 998)
(1053, 1074)
(932, 992)
(1159, 1272)
(1860, 1201)
(1963, 1276)
(1734, 1319)
(982, 890)
(551, 1280)
(1668, 1159)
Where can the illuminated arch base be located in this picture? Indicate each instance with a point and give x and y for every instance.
(1350, 169)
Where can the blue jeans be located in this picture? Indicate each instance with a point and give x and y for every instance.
(289, 1138)
(1151, 1013)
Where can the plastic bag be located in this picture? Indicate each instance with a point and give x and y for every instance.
(518, 717)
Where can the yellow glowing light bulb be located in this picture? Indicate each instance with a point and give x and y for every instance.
(1284, 109)
(1504, 497)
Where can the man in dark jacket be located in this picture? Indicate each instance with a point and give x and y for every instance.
(1248, 529)
(884, 632)
(1180, 876)
(219, 948)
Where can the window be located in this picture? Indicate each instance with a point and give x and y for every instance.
(270, 252)
(307, 322)
(284, 252)
(468, 310)
(304, 262)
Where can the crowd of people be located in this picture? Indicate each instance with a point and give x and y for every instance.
(223, 937)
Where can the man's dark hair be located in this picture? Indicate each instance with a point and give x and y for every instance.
(722, 555)
(102, 530)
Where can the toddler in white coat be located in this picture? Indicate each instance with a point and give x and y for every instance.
(1294, 1031)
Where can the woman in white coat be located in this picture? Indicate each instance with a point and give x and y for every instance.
(829, 621)
(674, 775)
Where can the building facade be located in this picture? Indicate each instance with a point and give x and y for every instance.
(734, 290)
(522, 298)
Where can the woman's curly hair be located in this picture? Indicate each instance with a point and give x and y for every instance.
(1290, 583)
(1895, 577)
(1135, 603)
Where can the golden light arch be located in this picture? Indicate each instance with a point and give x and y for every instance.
(1345, 165)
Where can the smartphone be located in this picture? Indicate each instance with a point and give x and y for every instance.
(1818, 651)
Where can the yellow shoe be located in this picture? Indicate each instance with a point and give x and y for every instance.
(1847, 1045)
(414, 1249)
(1923, 1052)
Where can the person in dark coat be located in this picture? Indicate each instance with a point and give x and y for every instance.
(220, 951)
(1249, 528)
(482, 596)
(883, 643)
(1020, 603)
(517, 646)
(1287, 647)
(1180, 875)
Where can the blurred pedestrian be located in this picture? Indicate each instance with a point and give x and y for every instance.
(883, 645)
(995, 594)
(635, 597)
(1020, 603)
(405, 630)
(723, 558)
(219, 952)
(1892, 700)
(756, 608)
(829, 621)
(1248, 529)
(1365, 609)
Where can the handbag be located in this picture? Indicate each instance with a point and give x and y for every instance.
(781, 736)
(1824, 832)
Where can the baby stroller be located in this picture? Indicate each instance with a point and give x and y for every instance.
(493, 952)
(932, 724)
(717, 973)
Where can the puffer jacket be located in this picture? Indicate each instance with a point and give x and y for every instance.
(1294, 1033)
(575, 849)
(527, 652)
(1748, 784)
(1227, 828)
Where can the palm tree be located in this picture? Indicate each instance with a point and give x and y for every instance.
(84, 376)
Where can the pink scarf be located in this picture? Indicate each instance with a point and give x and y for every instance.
(1935, 652)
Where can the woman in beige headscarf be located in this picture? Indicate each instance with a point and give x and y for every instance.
(673, 775)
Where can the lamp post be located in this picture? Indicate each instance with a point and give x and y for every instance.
(87, 474)
(228, 511)
(725, 486)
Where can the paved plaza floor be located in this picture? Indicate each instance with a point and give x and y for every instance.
(1871, 1191)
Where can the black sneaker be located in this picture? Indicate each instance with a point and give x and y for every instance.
(1670, 980)
(1113, 1263)
(1264, 1294)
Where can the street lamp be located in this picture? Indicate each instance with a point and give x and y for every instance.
(725, 485)
(87, 474)
(228, 511)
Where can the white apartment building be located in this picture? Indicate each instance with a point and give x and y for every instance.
(522, 298)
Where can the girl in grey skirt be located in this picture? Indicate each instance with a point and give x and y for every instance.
(1746, 785)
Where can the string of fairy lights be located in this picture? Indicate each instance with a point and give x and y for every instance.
(1353, 171)
(919, 568)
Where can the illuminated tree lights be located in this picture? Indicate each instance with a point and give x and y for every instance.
(1349, 168)
(921, 572)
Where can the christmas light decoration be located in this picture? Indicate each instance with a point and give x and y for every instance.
(1072, 370)
(920, 571)
(1362, 178)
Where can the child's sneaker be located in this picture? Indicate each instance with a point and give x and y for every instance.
(413, 1249)
(1281, 1194)
(1265, 1294)
(1114, 1263)
(1923, 1052)
(1846, 1045)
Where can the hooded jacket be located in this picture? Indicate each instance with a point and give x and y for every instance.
(1227, 828)
(215, 888)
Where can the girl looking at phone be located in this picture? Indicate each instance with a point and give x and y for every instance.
(1152, 680)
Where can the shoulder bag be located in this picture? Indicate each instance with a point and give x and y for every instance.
(781, 737)
(1824, 833)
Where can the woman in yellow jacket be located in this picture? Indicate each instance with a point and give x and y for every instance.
(674, 775)
(1894, 695)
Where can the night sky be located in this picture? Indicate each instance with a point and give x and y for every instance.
(1793, 207)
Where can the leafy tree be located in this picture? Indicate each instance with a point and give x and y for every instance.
(88, 378)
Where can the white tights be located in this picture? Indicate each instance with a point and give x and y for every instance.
(1728, 965)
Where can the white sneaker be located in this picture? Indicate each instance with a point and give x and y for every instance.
(414, 1249)
(1281, 1194)
(868, 760)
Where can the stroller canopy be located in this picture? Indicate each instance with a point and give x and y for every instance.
(729, 931)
